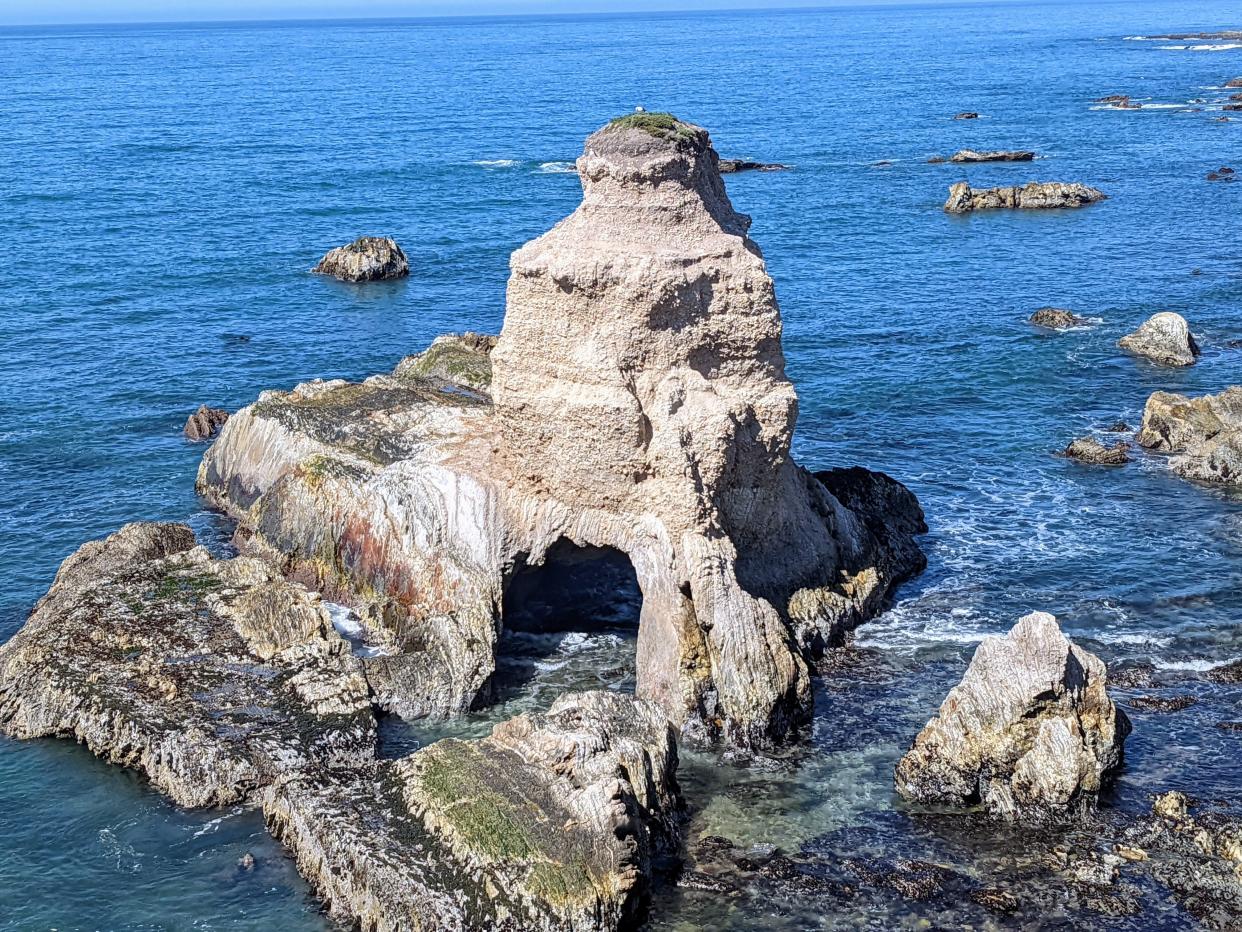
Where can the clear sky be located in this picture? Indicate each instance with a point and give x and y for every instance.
(17, 12)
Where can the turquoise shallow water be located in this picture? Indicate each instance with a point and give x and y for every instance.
(165, 189)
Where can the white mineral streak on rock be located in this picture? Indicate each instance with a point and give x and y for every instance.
(641, 404)
(1030, 732)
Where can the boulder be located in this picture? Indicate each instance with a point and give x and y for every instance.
(1165, 339)
(970, 155)
(966, 115)
(1089, 450)
(204, 423)
(1204, 434)
(210, 677)
(1224, 173)
(1035, 195)
(550, 823)
(635, 407)
(366, 259)
(1055, 318)
(1030, 733)
(730, 166)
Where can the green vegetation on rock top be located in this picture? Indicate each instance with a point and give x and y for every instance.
(662, 125)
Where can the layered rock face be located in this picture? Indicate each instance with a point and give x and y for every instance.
(1204, 434)
(1035, 195)
(204, 423)
(366, 259)
(211, 677)
(638, 404)
(1030, 732)
(1163, 338)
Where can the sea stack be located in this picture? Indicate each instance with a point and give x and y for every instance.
(1165, 339)
(635, 406)
(366, 259)
(1030, 732)
(1034, 195)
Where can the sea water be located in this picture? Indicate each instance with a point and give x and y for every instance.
(166, 188)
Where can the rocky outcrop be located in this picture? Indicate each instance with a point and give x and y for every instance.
(1055, 318)
(970, 155)
(210, 677)
(1119, 102)
(1165, 339)
(1089, 450)
(635, 402)
(1224, 173)
(204, 423)
(551, 823)
(1030, 732)
(966, 115)
(1035, 195)
(1204, 434)
(731, 166)
(366, 259)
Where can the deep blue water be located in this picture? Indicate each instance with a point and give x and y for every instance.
(165, 189)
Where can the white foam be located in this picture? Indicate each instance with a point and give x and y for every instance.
(1221, 47)
(349, 626)
(558, 168)
(1196, 666)
(495, 163)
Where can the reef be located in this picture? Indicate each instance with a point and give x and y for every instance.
(1055, 318)
(1035, 195)
(970, 155)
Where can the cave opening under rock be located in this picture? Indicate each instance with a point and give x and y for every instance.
(570, 622)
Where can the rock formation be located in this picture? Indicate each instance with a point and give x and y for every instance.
(1204, 434)
(1055, 318)
(730, 166)
(222, 682)
(1035, 195)
(1224, 173)
(1090, 450)
(211, 677)
(970, 155)
(203, 423)
(1030, 732)
(966, 115)
(366, 259)
(551, 823)
(1119, 102)
(638, 404)
(1163, 338)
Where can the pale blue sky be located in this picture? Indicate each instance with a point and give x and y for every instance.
(18, 12)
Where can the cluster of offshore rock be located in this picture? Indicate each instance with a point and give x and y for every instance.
(635, 405)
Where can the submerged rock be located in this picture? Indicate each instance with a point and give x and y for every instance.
(1035, 195)
(551, 823)
(1119, 102)
(638, 405)
(1030, 732)
(966, 115)
(211, 677)
(1224, 173)
(204, 423)
(1055, 318)
(1090, 450)
(730, 166)
(970, 155)
(1204, 434)
(366, 259)
(1163, 338)
(1162, 703)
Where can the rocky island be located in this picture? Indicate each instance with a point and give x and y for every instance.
(1035, 195)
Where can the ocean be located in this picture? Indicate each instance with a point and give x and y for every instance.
(165, 190)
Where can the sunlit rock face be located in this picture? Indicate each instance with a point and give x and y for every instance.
(636, 401)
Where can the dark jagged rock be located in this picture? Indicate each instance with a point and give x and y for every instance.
(1134, 674)
(1055, 318)
(970, 155)
(1119, 102)
(1228, 35)
(1204, 434)
(1091, 451)
(1035, 195)
(1229, 673)
(967, 115)
(732, 166)
(1161, 703)
(1030, 732)
(1224, 173)
(204, 423)
(366, 259)
(1165, 339)
(1234, 82)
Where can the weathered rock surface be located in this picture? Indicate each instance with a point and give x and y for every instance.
(1030, 732)
(1234, 82)
(1035, 195)
(730, 166)
(1055, 318)
(637, 403)
(211, 677)
(549, 823)
(1163, 338)
(1204, 434)
(366, 259)
(203, 423)
(970, 155)
(1089, 450)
